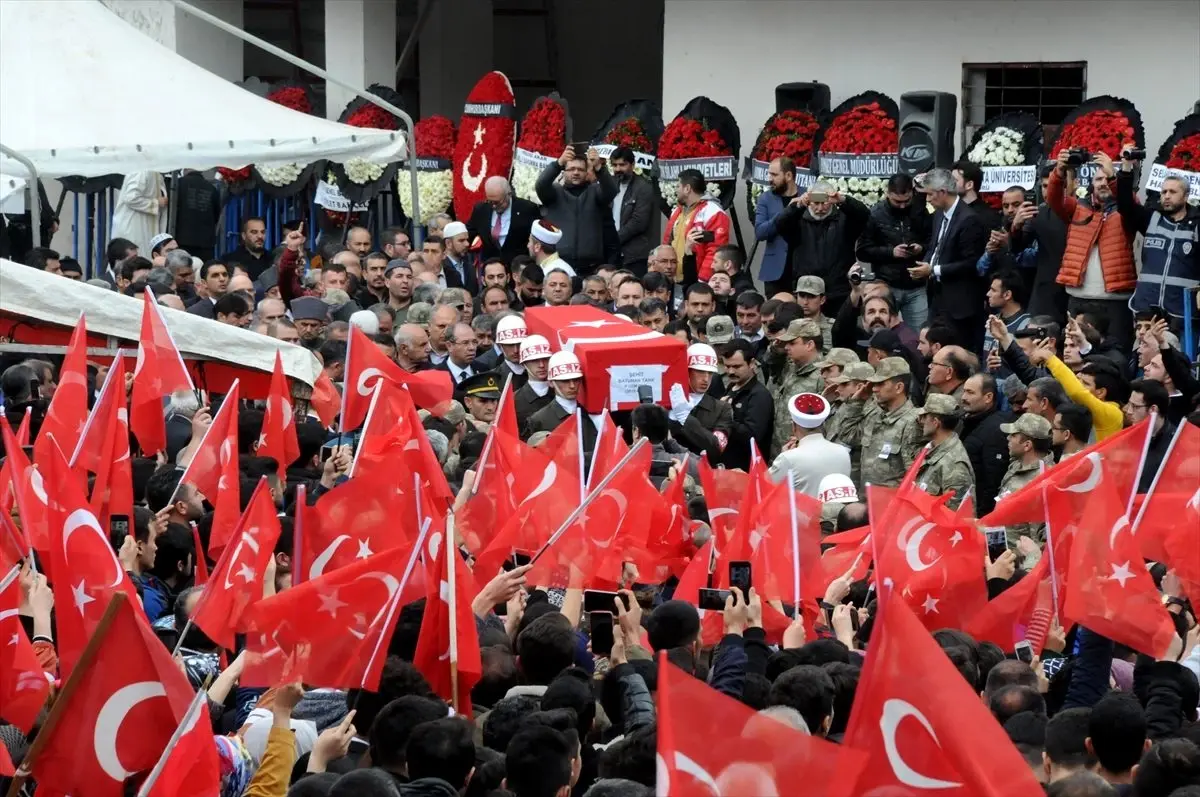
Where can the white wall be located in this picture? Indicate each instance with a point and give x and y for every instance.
(737, 51)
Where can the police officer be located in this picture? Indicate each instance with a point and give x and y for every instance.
(481, 397)
(891, 431)
(1029, 449)
(698, 421)
(536, 392)
(802, 345)
(946, 468)
(844, 426)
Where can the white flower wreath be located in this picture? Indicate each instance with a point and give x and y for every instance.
(435, 190)
(1001, 146)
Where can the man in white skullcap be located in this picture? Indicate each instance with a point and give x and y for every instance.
(458, 267)
(543, 247)
(807, 455)
(365, 320)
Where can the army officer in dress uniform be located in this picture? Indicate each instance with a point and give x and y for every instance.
(699, 421)
(481, 396)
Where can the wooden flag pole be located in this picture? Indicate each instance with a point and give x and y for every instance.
(64, 697)
(450, 551)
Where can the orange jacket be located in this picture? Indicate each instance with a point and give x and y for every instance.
(1088, 227)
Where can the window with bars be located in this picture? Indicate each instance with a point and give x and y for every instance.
(1048, 90)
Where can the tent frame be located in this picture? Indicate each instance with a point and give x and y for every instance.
(221, 24)
(35, 199)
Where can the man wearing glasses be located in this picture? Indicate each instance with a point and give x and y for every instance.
(502, 221)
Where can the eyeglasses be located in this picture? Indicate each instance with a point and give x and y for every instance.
(1133, 406)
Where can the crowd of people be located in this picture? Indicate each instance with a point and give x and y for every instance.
(930, 336)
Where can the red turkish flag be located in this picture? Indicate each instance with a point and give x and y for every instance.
(29, 491)
(393, 430)
(237, 580)
(159, 373)
(1023, 612)
(1119, 457)
(325, 401)
(201, 577)
(68, 411)
(191, 767)
(1174, 497)
(118, 717)
(932, 557)
(278, 438)
(668, 547)
(506, 411)
(756, 755)
(366, 366)
(332, 631)
(213, 470)
(23, 683)
(922, 725)
(1108, 589)
(438, 650)
(7, 496)
(785, 537)
(723, 491)
(104, 449)
(13, 545)
(7, 769)
(85, 571)
(494, 494)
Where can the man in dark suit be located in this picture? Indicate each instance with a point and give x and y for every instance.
(536, 393)
(461, 345)
(956, 243)
(634, 211)
(502, 221)
(458, 266)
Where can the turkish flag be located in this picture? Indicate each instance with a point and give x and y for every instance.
(494, 494)
(237, 580)
(1119, 457)
(29, 491)
(278, 438)
(393, 432)
(104, 449)
(23, 683)
(1023, 612)
(487, 137)
(67, 414)
(7, 496)
(201, 577)
(506, 411)
(367, 366)
(190, 766)
(441, 651)
(13, 545)
(325, 401)
(1108, 589)
(332, 631)
(7, 769)
(723, 491)
(846, 549)
(85, 571)
(709, 744)
(1174, 497)
(922, 724)
(932, 557)
(119, 714)
(668, 547)
(356, 519)
(213, 470)
(159, 372)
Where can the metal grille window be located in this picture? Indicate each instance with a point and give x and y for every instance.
(1048, 90)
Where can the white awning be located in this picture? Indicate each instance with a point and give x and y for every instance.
(34, 294)
(85, 93)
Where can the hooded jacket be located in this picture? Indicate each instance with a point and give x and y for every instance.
(886, 228)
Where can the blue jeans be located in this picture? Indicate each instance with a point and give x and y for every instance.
(913, 304)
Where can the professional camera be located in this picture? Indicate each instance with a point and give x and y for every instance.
(1134, 155)
(866, 273)
(1077, 156)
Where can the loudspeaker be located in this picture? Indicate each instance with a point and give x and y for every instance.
(926, 130)
(812, 97)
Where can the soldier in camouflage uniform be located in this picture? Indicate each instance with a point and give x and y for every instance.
(946, 468)
(802, 342)
(845, 424)
(810, 295)
(1029, 449)
(891, 431)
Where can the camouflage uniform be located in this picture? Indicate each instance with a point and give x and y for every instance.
(946, 467)
(795, 379)
(890, 438)
(1020, 474)
(844, 425)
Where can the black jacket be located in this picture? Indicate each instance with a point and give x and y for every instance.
(887, 228)
(1159, 443)
(199, 211)
(824, 248)
(987, 448)
(1180, 371)
(527, 402)
(524, 214)
(242, 257)
(1050, 232)
(706, 430)
(427, 787)
(579, 212)
(638, 211)
(753, 419)
(960, 286)
(469, 269)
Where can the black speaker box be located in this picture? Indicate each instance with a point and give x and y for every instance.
(812, 97)
(926, 130)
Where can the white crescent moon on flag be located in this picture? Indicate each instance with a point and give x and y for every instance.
(38, 484)
(318, 565)
(472, 181)
(364, 389)
(247, 539)
(1093, 477)
(548, 477)
(1122, 522)
(912, 545)
(622, 503)
(110, 718)
(393, 586)
(83, 518)
(894, 711)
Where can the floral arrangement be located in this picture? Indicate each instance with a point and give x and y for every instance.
(793, 134)
(360, 180)
(689, 138)
(1179, 153)
(1011, 139)
(1185, 155)
(287, 178)
(630, 133)
(1001, 146)
(435, 137)
(636, 124)
(544, 134)
(486, 139)
(1101, 124)
(372, 116)
(280, 176)
(292, 96)
(862, 125)
(234, 177)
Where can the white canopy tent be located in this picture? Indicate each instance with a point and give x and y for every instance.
(32, 294)
(85, 110)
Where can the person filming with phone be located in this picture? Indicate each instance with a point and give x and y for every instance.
(698, 227)
(893, 239)
(821, 226)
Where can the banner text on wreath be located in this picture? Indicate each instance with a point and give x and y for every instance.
(711, 168)
(845, 164)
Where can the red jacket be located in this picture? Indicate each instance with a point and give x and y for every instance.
(709, 216)
(1087, 227)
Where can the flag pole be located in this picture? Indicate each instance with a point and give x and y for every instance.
(1153, 484)
(1137, 477)
(450, 551)
(1050, 555)
(366, 425)
(487, 443)
(90, 651)
(608, 477)
(297, 532)
(186, 724)
(232, 388)
(795, 547)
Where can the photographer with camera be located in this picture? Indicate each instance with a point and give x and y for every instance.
(1170, 233)
(1097, 265)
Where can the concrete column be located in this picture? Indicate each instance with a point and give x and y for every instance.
(206, 45)
(360, 47)
(455, 51)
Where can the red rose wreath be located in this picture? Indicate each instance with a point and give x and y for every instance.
(636, 124)
(289, 179)
(1101, 124)
(703, 129)
(545, 131)
(630, 133)
(360, 180)
(487, 135)
(434, 149)
(794, 134)
(862, 125)
(1181, 151)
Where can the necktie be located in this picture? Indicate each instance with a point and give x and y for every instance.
(496, 230)
(937, 246)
